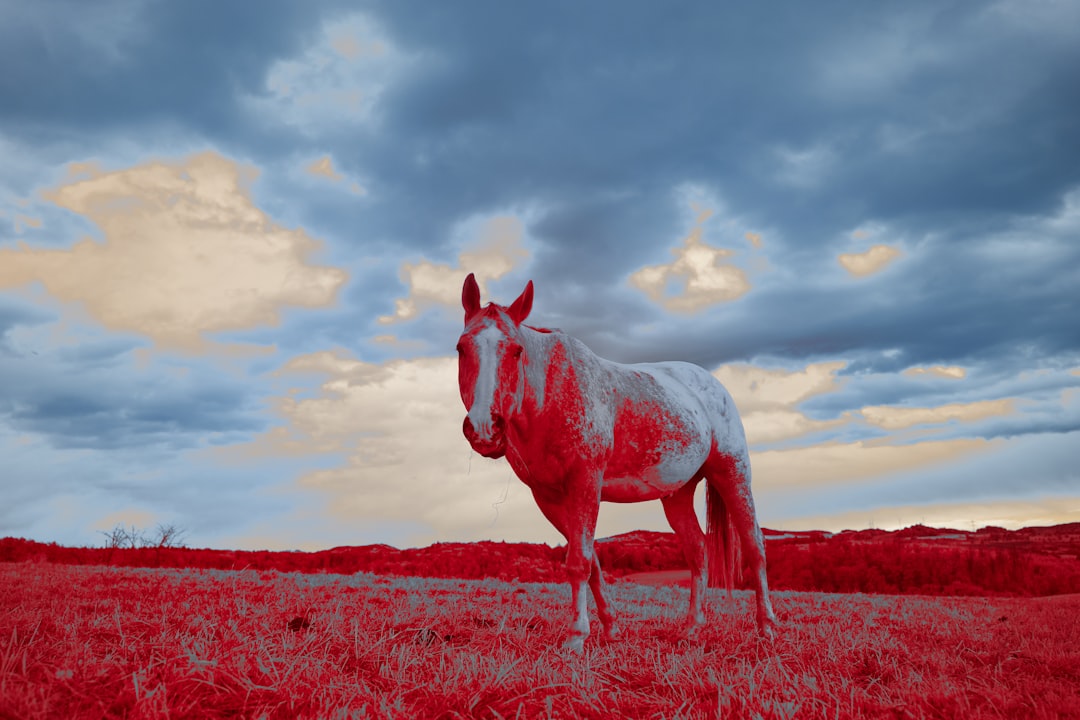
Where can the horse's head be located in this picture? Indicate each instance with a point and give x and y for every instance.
(490, 360)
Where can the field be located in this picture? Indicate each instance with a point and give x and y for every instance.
(100, 642)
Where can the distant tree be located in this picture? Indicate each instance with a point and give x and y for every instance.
(163, 536)
(121, 537)
(167, 536)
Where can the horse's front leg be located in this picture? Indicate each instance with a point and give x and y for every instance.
(599, 591)
(574, 515)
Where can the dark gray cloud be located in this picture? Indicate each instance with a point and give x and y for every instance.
(14, 314)
(76, 401)
(944, 122)
(131, 63)
(957, 125)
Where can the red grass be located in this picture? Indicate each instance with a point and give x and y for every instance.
(93, 642)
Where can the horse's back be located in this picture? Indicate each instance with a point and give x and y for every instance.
(694, 384)
(687, 394)
(667, 419)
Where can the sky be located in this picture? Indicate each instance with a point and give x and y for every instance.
(232, 245)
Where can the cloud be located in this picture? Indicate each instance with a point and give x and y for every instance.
(110, 36)
(127, 518)
(399, 426)
(900, 118)
(882, 58)
(336, 83)
(1040, 21)
(20, 222)
(831, 464)
(895, 418)
(324, 167)
(757, 388)
(806, 168)
(81, 401)
(696, 278)
(961, 515)
(952, 372)
(869, 262)
(186, 252)
(767, 398)
(393, 341)
(497, 249)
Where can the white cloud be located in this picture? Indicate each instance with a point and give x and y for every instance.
(128, 518)
(833, 464)
(963, 515)
(698, 276)
(952, 372)
(496, 247)
(767, 399)
(756, 388)
(397, 428)
(335, 82)
(869, 262)
(186, 252)
(399, 425)
(896, 418)
(324, 167)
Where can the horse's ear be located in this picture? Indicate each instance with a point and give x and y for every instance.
(470, 297)
(522, 306)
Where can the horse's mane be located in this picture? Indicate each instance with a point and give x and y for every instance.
(492, 310)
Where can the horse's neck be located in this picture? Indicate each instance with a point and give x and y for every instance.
(544, 347)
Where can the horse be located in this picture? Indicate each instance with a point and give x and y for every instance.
(578, 429)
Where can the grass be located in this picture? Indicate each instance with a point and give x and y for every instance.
(98, 642)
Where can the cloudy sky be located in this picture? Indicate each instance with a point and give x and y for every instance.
(232, 244)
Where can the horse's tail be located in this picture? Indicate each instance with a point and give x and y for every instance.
(722, 549)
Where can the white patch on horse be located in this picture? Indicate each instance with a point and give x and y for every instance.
(488, 357)
(537, 350)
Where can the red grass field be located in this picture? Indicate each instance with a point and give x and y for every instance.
(99, 642)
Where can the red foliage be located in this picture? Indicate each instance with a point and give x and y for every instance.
(925, 561)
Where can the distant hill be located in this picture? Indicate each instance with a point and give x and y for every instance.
(916, 559)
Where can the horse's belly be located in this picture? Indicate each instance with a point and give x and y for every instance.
(636, 489)
(658, 445)
(651, 482)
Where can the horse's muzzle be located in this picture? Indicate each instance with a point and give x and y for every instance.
(493, 446)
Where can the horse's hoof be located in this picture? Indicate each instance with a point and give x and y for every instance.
(768, 631)
(611, 632)
(575, 644)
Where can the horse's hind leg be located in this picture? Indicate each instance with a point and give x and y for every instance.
(731, 479)
(679, 509)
